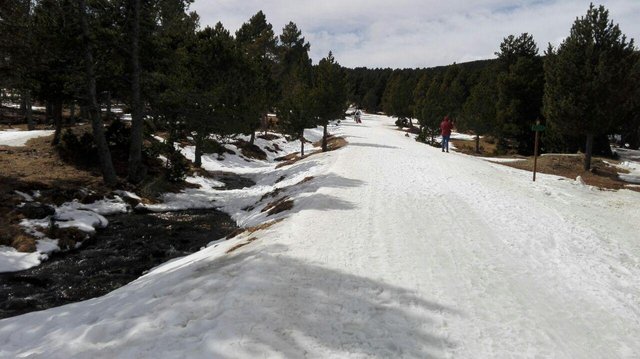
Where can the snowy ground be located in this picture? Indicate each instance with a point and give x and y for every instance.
(20, 138)
(393, 249)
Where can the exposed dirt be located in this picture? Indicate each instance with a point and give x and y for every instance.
(602, 174)
(333, 143)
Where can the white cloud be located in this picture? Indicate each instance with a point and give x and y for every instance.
(414, 33)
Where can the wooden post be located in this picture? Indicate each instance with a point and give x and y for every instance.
(535, 156)
(536, 128)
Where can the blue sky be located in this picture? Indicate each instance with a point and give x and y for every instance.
(414, 33)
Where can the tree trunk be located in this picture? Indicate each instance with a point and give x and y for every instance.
(587, 152)
(477, 143)
(72, 113)
(198, 152)
(264, 123)
(104, 155)
(253, 137)
(28, 113)
(136, 169)
(301, 143)
(23, 103)
(48, 111)
(108, 100)
(84, 113)
(324, 138)
(57, 120)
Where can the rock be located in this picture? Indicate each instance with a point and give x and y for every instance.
(36, 210)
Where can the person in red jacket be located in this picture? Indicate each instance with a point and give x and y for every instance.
(445, 130)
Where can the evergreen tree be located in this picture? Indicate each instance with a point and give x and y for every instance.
(215, 98)
(520, 91)
(589, 80)
(296, 108)
(17, 49)
(479, 110)
(330, 94)
(259, 45)
(108, 172)
(398, 96)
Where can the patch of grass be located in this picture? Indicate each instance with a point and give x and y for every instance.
(240, 245)
(24, 243)
(253, 229)
(333, 143)
(281, 205)
(488, 146)
(250, 151)
(601, 175)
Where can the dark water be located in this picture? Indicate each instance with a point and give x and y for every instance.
(132, 244)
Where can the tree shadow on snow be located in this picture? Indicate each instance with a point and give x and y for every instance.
(246, 304)
(372, 145)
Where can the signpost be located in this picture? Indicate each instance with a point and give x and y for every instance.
(537, 128)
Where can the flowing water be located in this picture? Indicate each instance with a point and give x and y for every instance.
(132, 244)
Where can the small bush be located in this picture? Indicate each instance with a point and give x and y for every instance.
(402, 122)
(213, 146)
(78, 150)
(118, 134)
(177, 166)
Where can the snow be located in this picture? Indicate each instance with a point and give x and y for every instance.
(630, 162)
(393, 249)
(11, 260)
(20, 138)
(85, 217)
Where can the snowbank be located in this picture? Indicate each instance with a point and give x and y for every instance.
(20, 138)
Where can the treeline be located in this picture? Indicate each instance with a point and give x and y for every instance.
(153, 56)
(583, 91)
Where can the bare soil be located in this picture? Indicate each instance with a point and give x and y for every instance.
(602, 174)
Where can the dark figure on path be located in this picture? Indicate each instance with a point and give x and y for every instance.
(358, 116)
(445, 130)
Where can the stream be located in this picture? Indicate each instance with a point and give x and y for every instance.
(132, 244)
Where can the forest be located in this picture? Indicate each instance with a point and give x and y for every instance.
(79, 57)
(586, 92)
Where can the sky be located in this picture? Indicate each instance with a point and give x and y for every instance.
(416, 33)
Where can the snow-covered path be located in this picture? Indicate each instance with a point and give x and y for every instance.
(402, 251)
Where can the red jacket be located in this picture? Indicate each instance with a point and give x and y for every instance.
(446, 127)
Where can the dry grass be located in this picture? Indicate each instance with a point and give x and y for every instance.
(251, 230)
(36, 166)
(333, 143)
(280, 205)
(240, 245)
(488, 146)
(601, 175)
(38, 163)
(24, 243)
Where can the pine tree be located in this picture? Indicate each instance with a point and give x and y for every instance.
(296, 108)
(589, 79)
(520, 91)
(259, 45)
(330, 94)
(108, 172)
(398, 96)
(479, 110)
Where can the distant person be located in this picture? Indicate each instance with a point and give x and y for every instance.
(357, 116)
(445, 130)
